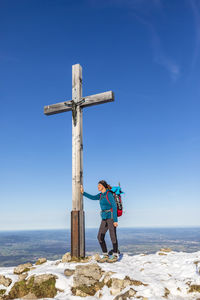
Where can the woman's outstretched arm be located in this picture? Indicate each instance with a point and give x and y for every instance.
(92, 197)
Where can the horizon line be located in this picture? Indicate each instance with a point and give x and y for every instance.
(123, 227)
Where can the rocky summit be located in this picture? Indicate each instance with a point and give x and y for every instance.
(163, 275)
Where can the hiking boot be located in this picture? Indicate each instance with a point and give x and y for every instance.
(112, 251)
(103, 258)
(113, 258)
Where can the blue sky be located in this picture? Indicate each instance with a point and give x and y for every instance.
(148, 53)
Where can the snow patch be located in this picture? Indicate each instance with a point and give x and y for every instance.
(169, 275)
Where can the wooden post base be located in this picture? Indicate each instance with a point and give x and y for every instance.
(77, 233)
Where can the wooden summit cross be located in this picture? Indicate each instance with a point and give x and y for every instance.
(76, 105)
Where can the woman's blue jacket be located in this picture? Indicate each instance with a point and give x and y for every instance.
(105, 205)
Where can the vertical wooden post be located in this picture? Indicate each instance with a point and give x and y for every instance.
(82, 214)
(77, 215)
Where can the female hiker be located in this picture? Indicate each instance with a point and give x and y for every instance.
(109, 219)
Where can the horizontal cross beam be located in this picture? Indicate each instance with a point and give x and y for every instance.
(87, 101)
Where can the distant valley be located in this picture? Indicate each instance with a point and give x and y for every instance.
(18, 247)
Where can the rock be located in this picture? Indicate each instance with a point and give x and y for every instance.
(167, 292)
(5, 280)
(130, 293)
(30, 296)
(30, 279)
(165, 249)
(66, 257)
(19, 290)
(117, 285)
(81, 259)
(22, 268)
(22, 276)
(44, 277)
(135, 282)
(86, 280)
(81, 293)
(86, 259)
(87, 290)
(83, 280)
(107, 276)
(194, 288)
(87, 275)
(96, 257)
(41, 286)
(68, 272)
(41, 261)
(2, 292)
(99, 294)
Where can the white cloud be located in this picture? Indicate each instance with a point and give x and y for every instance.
(142, 11)
(159, 55)
(161, 58)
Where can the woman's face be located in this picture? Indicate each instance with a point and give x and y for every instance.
(100, 187)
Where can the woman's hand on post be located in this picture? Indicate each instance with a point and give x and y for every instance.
(82, 190)
(115, 224)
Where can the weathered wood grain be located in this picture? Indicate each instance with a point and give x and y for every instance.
(77, 140)
(75, 234)
(57, 108)
(82, 232)
(77, 159)
(98, 99)
(89, 101)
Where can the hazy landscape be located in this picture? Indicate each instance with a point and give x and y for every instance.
(22, 246)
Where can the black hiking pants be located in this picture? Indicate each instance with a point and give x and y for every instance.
(105, 225)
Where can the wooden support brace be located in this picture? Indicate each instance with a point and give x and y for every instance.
(77, 233)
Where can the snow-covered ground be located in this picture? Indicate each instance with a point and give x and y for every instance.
(174, 271)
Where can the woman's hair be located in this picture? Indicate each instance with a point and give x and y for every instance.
(105, 184)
